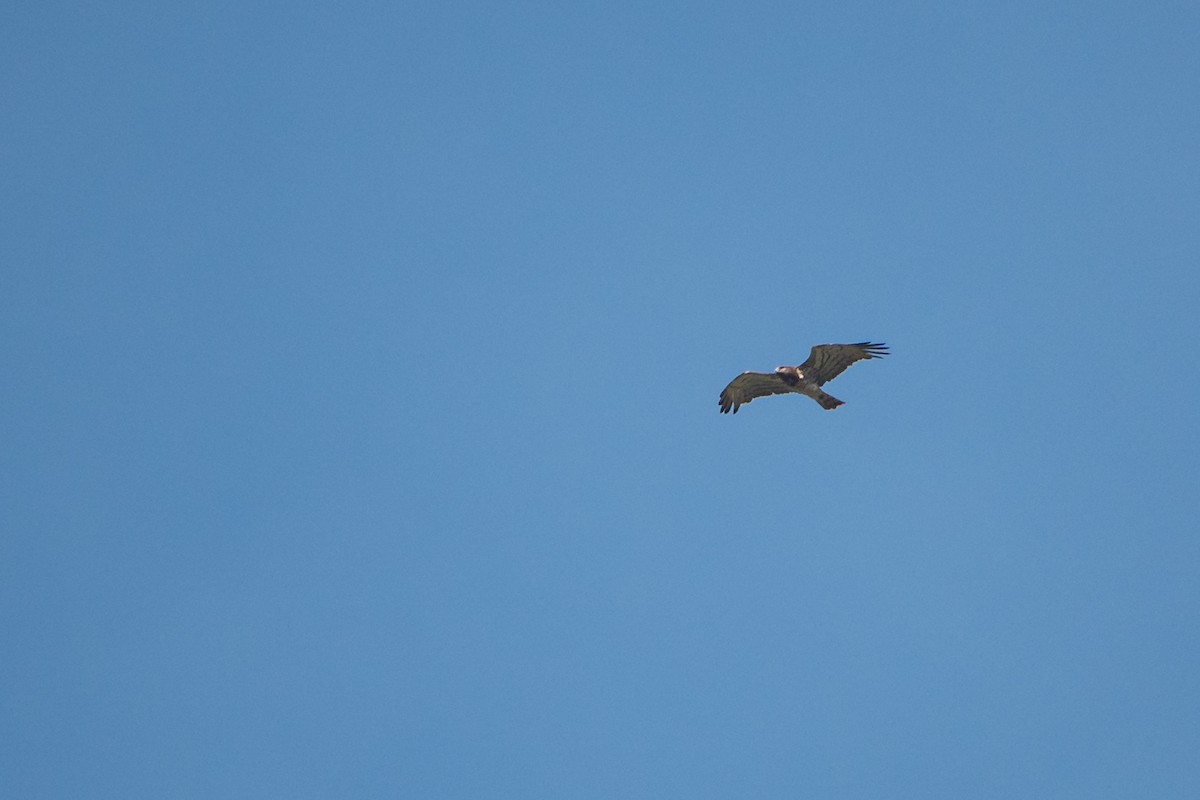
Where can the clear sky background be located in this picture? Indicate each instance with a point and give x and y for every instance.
(359, 401)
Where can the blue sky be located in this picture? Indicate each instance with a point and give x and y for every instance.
(360, 431)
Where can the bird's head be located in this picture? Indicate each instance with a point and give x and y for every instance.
(789, 374)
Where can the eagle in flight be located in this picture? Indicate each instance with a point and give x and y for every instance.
(825, 362)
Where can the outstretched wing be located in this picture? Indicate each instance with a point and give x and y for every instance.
(749, 385)
(827, 361)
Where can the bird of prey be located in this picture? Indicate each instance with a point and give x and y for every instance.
(825, 362)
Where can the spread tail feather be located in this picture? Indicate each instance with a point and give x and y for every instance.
(828, 401)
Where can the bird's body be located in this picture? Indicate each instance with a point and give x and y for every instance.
(825, 362)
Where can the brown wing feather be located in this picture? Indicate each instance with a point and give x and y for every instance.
(749, 385)
(827, 361)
